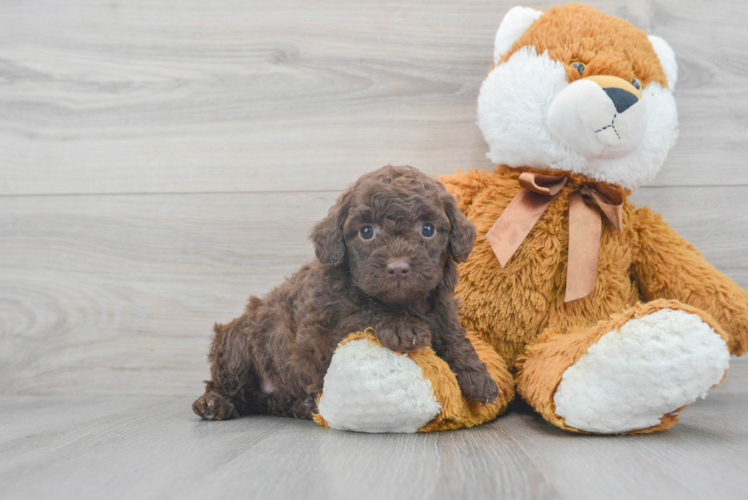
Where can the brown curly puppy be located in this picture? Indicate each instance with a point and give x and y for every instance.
(386, 259)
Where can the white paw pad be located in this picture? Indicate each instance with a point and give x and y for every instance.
(631, 378)
(369, 388)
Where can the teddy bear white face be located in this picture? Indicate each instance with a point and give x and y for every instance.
(601, 126)
(599, 117)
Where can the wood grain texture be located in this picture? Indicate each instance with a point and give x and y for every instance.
(117, 294)
(91, 448)
(272, 95)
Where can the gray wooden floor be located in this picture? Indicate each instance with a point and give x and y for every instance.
(154, 447)
(161, 161)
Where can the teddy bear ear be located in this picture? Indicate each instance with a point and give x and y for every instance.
(515, 22)
(667, 59)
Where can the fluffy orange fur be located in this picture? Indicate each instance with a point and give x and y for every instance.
(457, 411)
(543, 364)
(520, 309)
(606, 44)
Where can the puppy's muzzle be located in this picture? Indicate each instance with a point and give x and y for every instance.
(599, 116)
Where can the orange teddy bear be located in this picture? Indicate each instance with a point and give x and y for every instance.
(607, 319)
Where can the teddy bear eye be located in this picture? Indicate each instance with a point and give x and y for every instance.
(367, 232)
(579, 66)
(636, 83)
(427, 230)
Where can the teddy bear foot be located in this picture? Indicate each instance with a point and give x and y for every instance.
(636, 377)
(369, 388)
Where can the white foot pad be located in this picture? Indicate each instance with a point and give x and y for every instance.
(369, 388)
(630, 378)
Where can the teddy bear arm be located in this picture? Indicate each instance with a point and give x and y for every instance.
(669, 267)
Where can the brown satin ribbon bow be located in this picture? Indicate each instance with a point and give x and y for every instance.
(585, 225)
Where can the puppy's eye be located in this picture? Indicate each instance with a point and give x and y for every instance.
(579, 66)
(367, 232)
(636, 83)
(427, 230)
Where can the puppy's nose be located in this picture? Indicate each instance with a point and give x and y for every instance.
(398, 269)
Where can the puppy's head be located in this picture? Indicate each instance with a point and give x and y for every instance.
(399, 232)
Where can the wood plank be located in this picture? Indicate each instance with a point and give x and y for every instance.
(104, 295)
(174, 455)
(156, 448)
(695, 459)
(702, 457)
(122, 454)
(296, 95)
(118, 294)
(709, 217)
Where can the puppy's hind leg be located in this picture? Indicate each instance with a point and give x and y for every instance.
(233, 378)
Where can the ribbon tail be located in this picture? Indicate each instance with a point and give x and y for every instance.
(515, 223)
(585, 229)
(613, 209)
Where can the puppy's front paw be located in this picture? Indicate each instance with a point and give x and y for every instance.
(211, 406)
(403, 335)
(478, 386)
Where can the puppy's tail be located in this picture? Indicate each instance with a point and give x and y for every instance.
(216, 341)
(254, 303)
(222, 333)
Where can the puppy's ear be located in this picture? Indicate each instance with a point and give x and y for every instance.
(327, 235)
(462, 232)
(450, 277)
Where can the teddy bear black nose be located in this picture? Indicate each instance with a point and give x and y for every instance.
(398, 269)
(622, 99)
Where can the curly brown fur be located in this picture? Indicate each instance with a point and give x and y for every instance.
(378, 265)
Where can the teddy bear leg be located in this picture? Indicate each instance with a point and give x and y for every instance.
(370, 388)
(629, 374)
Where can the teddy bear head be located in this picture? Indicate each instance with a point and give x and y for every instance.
(574, 89)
